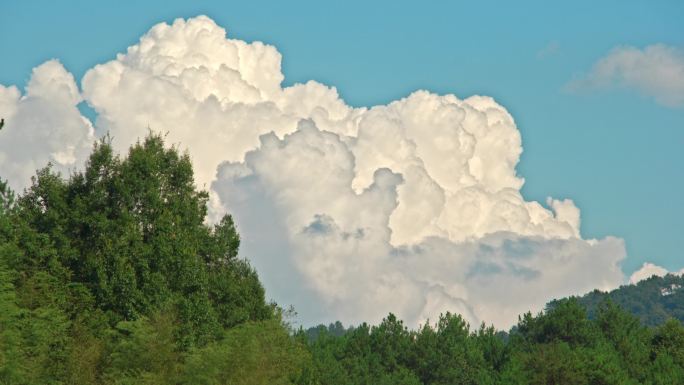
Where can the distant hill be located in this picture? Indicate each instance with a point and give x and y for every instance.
(591, 339)
(652, 300)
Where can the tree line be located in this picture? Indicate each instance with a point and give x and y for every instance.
(653, 301)
(112, 276)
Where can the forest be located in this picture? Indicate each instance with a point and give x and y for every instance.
(111, 276)
(653, 301)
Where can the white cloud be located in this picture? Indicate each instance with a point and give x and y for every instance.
(648, 270)
(656, 71)
(343, 241)
(213, 95)
(348, 213)
(42, 126)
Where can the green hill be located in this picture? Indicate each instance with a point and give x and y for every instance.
(652, 300)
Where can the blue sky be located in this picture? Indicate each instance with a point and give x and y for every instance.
(617, 153)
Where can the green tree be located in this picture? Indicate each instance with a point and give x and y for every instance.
(112, 276)
(669, 339)
(144, 351)
(627, 336)
(132, 232)
(251, 353)
(11, 366)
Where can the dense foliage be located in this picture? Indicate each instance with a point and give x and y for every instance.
(111, 276)
(560, 346)
(652, 300)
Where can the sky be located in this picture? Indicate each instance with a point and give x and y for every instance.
(589, 100)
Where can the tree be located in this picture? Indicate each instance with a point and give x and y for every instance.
(132, 232)
(251, 353)
(11, 366)
(668, 339)
(144, 351)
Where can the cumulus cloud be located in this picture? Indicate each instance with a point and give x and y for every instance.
(349, 213)
(656, 71)
(43, 125)
(344, 243)
(213, 95)
(648, 270)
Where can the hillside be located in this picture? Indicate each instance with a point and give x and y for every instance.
(652, 300)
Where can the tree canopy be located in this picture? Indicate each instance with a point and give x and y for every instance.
(115, 264)
(653, 300)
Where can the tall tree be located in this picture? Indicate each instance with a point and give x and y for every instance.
(132, 232)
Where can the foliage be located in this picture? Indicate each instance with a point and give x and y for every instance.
(112, 276)
(560, 346)
(652, 300)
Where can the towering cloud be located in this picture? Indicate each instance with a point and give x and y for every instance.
(349, 213)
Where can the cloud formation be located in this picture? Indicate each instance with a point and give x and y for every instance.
(343, 242)
(349, 213)
(43, 125)
(656, 71)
